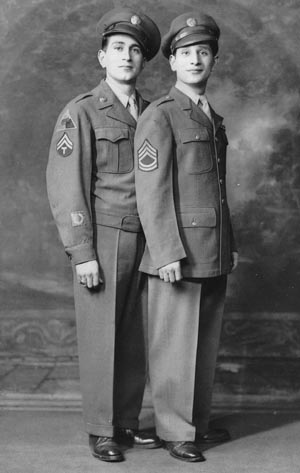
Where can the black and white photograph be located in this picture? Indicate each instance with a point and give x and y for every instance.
(150, 236)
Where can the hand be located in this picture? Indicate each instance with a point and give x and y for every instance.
(88, 274)
(234, 260)
(171, 272)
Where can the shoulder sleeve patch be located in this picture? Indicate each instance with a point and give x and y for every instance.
(147, 157)
(66, 122)
(64, 146)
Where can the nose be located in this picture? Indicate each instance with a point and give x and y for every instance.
(126, 54)
(195, 57)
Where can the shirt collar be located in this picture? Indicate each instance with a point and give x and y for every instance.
(187, 91)
(119, 93)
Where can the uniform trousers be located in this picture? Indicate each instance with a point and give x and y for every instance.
(184, 326)
(111, 344)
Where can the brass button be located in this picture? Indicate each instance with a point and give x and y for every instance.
(221, 181)
(197, 137)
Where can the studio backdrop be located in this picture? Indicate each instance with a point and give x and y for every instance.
(48, 53)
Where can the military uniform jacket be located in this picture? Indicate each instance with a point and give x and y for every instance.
(90, 173)
(181, 192)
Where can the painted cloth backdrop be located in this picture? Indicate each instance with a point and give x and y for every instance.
(48, 54)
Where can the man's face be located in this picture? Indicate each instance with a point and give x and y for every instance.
(193, 64)
(122, 58)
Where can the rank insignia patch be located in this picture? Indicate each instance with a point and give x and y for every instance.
(64, 146)
(148, 157)
(66, 122)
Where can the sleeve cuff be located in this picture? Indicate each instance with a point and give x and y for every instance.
(81, 254)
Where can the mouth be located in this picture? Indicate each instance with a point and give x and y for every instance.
(195, 70)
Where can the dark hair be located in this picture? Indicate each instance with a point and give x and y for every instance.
(104, 43)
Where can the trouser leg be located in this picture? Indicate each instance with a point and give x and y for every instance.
(98, 313)
(184, 331)
(211, 314)
(172, 336)
(130, 362)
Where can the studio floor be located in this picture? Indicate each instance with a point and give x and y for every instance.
(41, 430)
(53, 441)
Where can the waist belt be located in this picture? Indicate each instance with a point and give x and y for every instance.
(128, 223)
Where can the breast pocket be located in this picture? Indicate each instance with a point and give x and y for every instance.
(196, 150)
(114, 150)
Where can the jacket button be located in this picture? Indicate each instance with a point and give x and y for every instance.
(197, 137)
(219, 160)
(223, 200)
(194, 223)
(221, 181)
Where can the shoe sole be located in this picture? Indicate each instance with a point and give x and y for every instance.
(188, 460)
(109, 459)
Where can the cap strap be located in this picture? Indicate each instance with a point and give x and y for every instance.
(192, 30)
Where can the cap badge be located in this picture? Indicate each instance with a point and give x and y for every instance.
(135, 20)
(191, 22)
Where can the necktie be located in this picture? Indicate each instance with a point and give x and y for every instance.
(204, 105)
(132, 107)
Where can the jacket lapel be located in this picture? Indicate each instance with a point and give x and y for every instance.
(187, 105)
(114, 108)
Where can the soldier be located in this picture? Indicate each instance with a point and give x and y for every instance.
(90, 179)
(180, 182)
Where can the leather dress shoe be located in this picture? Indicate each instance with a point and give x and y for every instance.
(138, 438)
(213, 436)
(105, 448)
(186, 451)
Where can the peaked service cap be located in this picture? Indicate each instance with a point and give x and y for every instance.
(136, 24)
(190, 28)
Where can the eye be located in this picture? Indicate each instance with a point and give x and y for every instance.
(118, 48)
(136, 50)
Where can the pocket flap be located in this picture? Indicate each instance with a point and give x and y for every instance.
(193, 134)
(205, 217)
(111, 134)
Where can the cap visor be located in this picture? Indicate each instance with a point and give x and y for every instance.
(194, 39)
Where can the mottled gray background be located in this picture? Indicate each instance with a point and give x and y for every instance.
(48, 55)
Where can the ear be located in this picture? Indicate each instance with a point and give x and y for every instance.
(101, 58)
(215, 61)
(172, 60)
